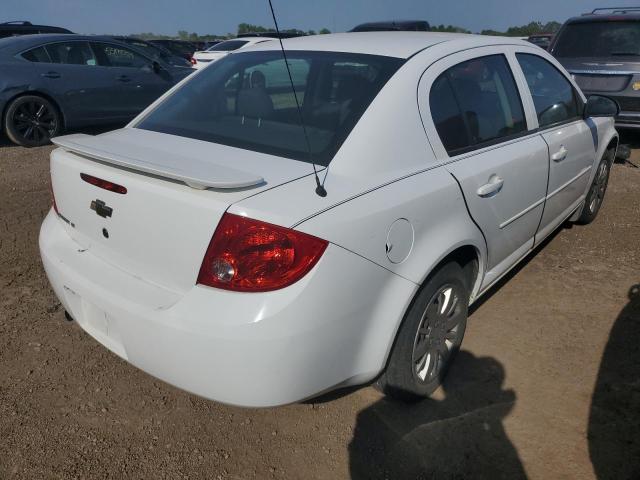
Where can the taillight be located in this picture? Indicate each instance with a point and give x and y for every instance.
(193, 60)
(247, 255)
(106, 184)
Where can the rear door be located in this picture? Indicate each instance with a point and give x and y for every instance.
(478, 128)
(572, 142)
(73, 76)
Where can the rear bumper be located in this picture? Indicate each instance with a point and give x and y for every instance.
(332, 328)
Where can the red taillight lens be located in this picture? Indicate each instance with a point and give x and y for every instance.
(100, 183)
(193, 60)
(247, 255)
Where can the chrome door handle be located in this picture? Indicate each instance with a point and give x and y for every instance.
(560, 154)
(50, 75)
(492, 188)
(123, 78)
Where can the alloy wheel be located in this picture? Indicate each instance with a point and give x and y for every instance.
(34, 121)
(439, 333)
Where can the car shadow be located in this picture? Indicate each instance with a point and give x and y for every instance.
(614, 418)
(460, 436)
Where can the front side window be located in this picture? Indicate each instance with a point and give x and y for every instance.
(71, 53)
(553, 95)
(110, 55)
(476, 103)
(245, 100)
(37, 55)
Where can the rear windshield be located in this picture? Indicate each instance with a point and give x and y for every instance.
(245, 100)
(599, 39)
(228, 46)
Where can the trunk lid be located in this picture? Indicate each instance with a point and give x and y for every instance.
(177, 191)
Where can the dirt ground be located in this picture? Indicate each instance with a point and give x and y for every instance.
(547, 385)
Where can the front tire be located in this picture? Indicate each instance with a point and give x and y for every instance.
(429, 337)
(598, 188)
(31, 121)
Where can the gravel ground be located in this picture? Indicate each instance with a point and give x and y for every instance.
(547, 384)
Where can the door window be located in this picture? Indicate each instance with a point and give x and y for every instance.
(71, 53)
(36, 55)
(110, 55)
(553, 95)
(476, 103)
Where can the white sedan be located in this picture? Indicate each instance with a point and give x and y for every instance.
(202, 58)
(257, 253)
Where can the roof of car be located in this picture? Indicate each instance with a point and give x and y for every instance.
(602, 17)
(389, 44)
(25, 41)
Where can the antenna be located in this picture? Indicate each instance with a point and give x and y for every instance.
(320, 190)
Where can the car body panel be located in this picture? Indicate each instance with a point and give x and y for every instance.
(336, 325)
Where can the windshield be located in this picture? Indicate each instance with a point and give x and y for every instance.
(227, 46)
(599, 39)
(245, 100)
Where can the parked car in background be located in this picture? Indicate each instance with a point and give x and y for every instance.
(194, 243)
(54, 82)
(13, 29)
(222, 49)
(602, 51)
(155, 51)
(177, 47)
(394, 25)
(542, 40)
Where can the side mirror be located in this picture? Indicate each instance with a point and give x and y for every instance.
(599, 106)
(152, 67)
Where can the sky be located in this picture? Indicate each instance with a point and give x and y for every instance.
(221, 17)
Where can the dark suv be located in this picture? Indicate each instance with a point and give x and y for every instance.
(601, 50)
(12, 29)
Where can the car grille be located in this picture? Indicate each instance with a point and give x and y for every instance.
(628, 104)
(602, 83)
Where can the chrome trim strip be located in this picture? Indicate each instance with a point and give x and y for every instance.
(562, 187)
(524, 212)
(609, 73)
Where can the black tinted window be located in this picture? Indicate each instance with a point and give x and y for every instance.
(71, 53)
(476, 102)
(553, 95)
(36, 55)
(599, 39)
(245, 100)
(111, 55)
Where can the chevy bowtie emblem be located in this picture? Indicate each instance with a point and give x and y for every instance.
(101, 208)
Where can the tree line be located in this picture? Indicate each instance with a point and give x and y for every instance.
(531, 28)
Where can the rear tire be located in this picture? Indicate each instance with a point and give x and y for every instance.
(429, 337)
(31, 121)
(598, 188)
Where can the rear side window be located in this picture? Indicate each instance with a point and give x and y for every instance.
(553, 95)
(245, 100)
(71, 53)
(36, 55)
(476, 103)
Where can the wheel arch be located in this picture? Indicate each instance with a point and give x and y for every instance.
(38, 93)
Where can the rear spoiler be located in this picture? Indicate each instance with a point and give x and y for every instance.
(195, 172)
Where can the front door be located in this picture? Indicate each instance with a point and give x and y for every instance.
(572, 147)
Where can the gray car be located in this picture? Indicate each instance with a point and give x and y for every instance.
(54, 82)
(602, 52)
